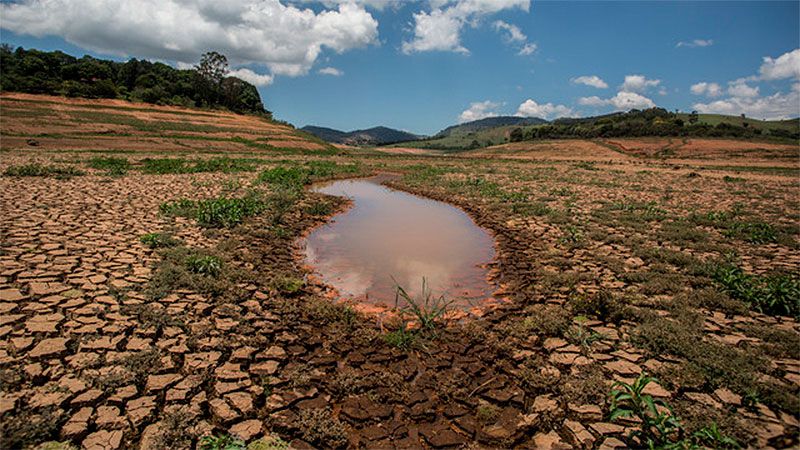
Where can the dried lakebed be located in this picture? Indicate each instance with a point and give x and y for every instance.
(390, 238)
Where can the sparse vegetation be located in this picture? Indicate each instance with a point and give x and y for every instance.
(40, 170)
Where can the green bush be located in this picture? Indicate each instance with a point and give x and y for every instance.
(112, 166)
(39, 170)
(163, 166)
(204, 265)
(227, 212)
(776, 294)
(294, 177)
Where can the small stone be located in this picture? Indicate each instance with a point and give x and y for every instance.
(549, 441)
(103, 440)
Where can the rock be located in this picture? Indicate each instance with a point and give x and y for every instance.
(545, 404)
(139, 409)
(103, 440)
(160, 382)
(108, 417)
(549, 441)
(362, 408)
(247, 429)
(728, 397)
(241, 401)
(623, 367)
(87, 397)
(264, 368)
(49, 348)
(443, 437)
(77, 424)
(580, 435)
(605, 428)
(221, 411)
(612, 443)
(11, 295)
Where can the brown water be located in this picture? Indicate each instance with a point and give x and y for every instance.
(390, 237)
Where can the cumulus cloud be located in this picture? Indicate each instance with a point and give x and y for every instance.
(785, 66)
(285, 38)
(638, 83)
(252, 77)
(529, 108)
(331, 71)
(591, 80)
(440, 29)
(773, 107)
(696, 43)
(479, 110)
(705, 88)
(623, 101)
(740, 88)
(515, 36)
(747, 99)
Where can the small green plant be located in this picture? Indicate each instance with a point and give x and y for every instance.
(319, 208)
(659, 427)
(159, 240)
(486, 412)
(39, 170)
(222, 442)
(753, 232)
(287, 285)
(572, 235)
(181, 207)
(293, 177)
(112, 166)
(268, 443)
(161, 166)
(582, 336)
(204, 265)
(402, 337)
(585, 165)
(428, 311)
(227, 212)
(777, 294)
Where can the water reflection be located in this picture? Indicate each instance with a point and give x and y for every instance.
(390, 235)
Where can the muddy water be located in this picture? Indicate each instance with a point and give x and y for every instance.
(390, 237)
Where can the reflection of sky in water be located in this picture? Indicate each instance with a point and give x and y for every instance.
(390, 234)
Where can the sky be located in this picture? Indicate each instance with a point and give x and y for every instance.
(423, 65)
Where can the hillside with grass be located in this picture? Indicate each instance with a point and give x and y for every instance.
(368, 137)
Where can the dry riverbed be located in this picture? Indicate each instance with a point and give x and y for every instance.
(137, 313)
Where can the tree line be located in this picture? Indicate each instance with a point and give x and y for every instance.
(57, 73)
(648, 122)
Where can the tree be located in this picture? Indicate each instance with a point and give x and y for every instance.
(516, 135)
(213, 67)
(693, 117)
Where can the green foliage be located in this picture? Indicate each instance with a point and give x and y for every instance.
(776, 294)
(428, 311)
(178, 165)
(112, 166)
(319, 208)
(753, 232)
(268, 443)
(287, 285)
(39, 170)
(659, 426)
(293, 177)
(221, 442)
(402, 337)
(204, 265)
(227, 212)
(159, 240)
(57, 73)
(181, 207)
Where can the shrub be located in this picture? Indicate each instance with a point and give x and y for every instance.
(224, 212)
(222, 442)
(39, 170)
(159, 240)
(776, 294)
(293, 177)
(204, 265)
(112, 166)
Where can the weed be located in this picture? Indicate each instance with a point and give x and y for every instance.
(428, 311)
(293, 177)
(585, 165)
(486, 412)
(221, 442)
(753, 232)
(582, 336)
(402, 337)
(163, 166)
(159, 240)
(112, 166)
(204, 265)
(571, 235)
(181, 207)
(777, 294)
(659, 426)
(216, 212)
(268, 443)
(39, 170)
(319, 208)
(546, 320)
(287, 285)
(318, 426)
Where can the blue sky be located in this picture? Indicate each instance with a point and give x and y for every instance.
(424, 65)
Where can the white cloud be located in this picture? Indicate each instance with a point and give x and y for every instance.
(696, 43)
(747, 99)
(514, 33)
(591, 80)
(705, 88)
(252, 77)
(739, 88)
(638, 83)
(528, 49)
(785, 66)
(774, 107)
(440, 29)
(529, 108)
(286, 39)
(331, 71)
(623, 101)
(479, 110)
(380, 5)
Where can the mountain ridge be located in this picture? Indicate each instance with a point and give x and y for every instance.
(379, 135)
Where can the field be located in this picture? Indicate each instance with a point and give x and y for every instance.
(152, 295)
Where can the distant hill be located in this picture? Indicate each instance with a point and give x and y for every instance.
(489, 122)
(370, 136)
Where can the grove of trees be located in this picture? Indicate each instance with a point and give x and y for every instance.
(58, 73)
